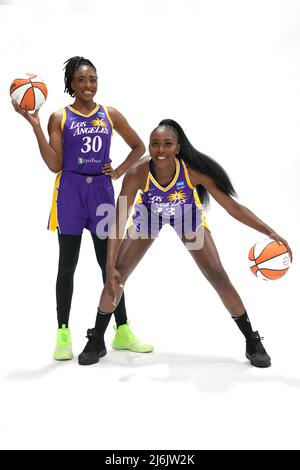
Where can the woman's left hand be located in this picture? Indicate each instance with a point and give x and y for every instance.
(108, 170)
(113, 282)
(282, 241)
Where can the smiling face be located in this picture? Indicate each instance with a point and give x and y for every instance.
(85, 83)
(163, 146)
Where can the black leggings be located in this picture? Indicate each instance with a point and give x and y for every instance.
(69, 247)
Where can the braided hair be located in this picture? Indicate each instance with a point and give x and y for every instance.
(198, 161)
(70, 68)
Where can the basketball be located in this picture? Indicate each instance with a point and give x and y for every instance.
(29, 92)
(269, 260)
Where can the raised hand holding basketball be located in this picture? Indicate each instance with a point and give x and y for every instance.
(30, 92)
(32, 118)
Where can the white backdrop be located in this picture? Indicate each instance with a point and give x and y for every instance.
(229, 73)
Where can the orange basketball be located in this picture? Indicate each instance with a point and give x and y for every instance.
(29, 92)
(269, 260)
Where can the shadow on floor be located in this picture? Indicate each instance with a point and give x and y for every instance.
(208, 373)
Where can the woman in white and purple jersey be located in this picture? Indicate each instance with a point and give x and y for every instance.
(173, 186)
(79, 152)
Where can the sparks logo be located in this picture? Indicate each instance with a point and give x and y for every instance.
(177, 196)
(98, 122)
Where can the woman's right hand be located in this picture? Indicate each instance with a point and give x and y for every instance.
(32, 118)
(281, 241)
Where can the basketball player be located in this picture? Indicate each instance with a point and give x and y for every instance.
(79, 151)
(174, 182)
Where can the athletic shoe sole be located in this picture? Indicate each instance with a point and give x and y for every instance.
(258, 364)
(87, 362)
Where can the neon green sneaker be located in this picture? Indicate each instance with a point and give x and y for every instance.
(125, 339)
(63, 350)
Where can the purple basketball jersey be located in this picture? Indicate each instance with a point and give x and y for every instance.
(86, 140)
(177, 204)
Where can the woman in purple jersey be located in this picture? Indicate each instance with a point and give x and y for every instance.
(79, 152)
(176, 177)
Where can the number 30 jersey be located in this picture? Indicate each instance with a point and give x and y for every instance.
(86, 140)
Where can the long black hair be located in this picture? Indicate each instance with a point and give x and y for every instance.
(198, 161)
(70, 68)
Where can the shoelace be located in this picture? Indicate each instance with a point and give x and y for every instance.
(91, 336)
(256, 342)
(64, 337)
(256, 337)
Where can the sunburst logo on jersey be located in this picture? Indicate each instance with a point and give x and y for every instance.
(98, 122)
(177, 196)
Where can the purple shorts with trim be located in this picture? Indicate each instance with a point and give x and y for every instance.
(80, 198)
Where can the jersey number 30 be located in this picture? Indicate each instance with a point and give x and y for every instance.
(89, 144)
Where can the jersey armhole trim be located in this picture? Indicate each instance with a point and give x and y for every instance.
(108, 116)
(63, 121)
(186, 174)
(146, 189)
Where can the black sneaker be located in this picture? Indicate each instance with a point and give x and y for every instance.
(255, 351)
(94, 349)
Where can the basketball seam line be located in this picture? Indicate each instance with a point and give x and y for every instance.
(33, 95)
(35, 85)
(263, 249)
(26, 92)
(258, 268)
(19, 86)
(270, 269)
(276, 256)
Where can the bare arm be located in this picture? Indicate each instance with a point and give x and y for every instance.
(236, 210)
(52, 151)
(130, 137)
(134, 180)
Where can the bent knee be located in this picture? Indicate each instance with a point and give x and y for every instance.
(123, 271)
